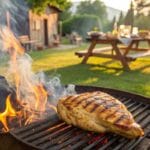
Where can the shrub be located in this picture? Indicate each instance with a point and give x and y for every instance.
(143, 22)
(80, 24)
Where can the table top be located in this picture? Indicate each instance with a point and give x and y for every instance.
(115, 39)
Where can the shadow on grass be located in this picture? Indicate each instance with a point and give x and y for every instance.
(101, 75)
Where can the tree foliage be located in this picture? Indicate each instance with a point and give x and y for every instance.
(129, 18)
(142, 22)
(121, 18)
(66, 14)
(91, 7)
(142, 6)
(80, 24)
(39, 6)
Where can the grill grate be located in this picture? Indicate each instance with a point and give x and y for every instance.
(53, 134)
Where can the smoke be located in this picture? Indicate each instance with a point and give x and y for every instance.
(32, 89)
(56, 90)
(14, 13)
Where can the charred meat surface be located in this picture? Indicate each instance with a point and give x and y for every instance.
(98, 112)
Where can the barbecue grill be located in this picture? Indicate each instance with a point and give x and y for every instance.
(54, 134)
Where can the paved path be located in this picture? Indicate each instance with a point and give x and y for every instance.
(65, 47)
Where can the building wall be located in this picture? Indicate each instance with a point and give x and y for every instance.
(36, 23)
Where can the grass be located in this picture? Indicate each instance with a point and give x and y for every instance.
(97, 72)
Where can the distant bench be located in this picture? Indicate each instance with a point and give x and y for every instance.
(26, 42)
(95, 51)
(75, 38)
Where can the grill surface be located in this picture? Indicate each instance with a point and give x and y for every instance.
(53, 134)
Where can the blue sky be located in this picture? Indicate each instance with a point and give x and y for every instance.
(118, 4)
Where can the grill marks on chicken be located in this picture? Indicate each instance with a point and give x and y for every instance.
(92, 102)
(98, 111)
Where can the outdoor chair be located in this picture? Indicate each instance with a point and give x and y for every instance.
(56, 40)
(75, 38)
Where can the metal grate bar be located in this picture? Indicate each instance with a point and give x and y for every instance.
(121, 144)
(133, 143)
(146, 122)
(132, 105)
(35, 136)
(40, 129)
(136, 107)
(142, 117)
(51, 135)
(95, 143)
(127, 102)
(68, 142)
(123, 99)
(139, 111)
(33, 125)
(80, 143)
(111, 141)
(62, 138)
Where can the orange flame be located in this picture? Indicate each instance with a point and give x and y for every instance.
(53, 107)
(41, 97)
(15, 49)
(9, 112)
(11, 44)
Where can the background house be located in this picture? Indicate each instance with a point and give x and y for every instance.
(39, 28)
(43, 27)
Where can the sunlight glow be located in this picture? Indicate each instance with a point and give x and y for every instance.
(118, 4)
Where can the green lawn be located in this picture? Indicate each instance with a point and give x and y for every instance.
(97, 72)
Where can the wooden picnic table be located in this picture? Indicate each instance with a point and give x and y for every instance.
(118, 52)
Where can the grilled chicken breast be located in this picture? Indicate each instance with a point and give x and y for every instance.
(98, 112)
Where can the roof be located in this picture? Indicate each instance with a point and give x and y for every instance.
(24, 3)
(56, 8)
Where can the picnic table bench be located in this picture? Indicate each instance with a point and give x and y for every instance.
(120, 53)
(27, 42)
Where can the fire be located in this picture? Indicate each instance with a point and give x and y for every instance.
(14, 48)
(11, 44)
(41, 97)
(9, 112)
(31, 95)
(53, 107)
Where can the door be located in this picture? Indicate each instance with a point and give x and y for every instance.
(45, 32)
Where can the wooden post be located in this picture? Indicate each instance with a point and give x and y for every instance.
(8, 19)
(60, 29)
(120, 56)
(89, 51)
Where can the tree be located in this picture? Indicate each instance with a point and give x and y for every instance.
(121, 18)
(39, 6)
(142, 22)
(80, 24)
(129, 18)
(142, 6)
(91, 7)
(113, 22)
(66, 14)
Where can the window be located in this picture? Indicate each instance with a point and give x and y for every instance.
(36, 25)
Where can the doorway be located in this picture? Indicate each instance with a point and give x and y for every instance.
(46, 32)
